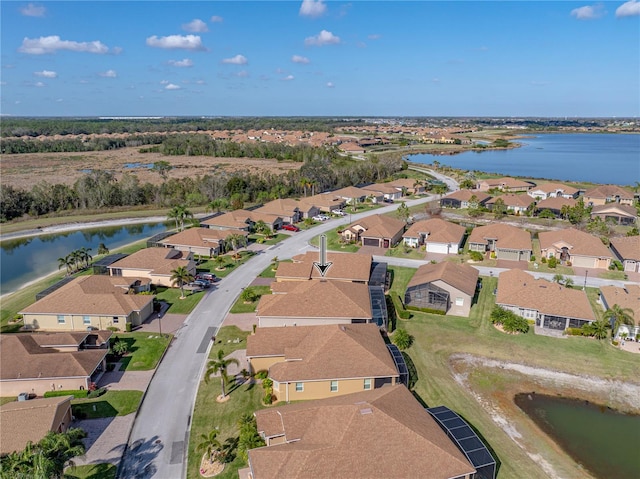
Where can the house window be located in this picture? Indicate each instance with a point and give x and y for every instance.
(334, 386)
(276, 386)
(86, 320)
(367, 384)
(299, 387)
(61, 319)
(459, 301)
(115, 319)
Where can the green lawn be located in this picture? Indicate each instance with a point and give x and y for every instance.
(230, 264)
(6, 399)
(92, 471)
(333, 242)
(171, 296)
(145, 350)
(112, 403)
(271, 241)
(615, 275)
(241, 307)
(402, 251)
(209, 414)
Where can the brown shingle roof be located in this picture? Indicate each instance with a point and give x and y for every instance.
(280, 207)
(627, 297)
(518, 201)
(553, 187)
(379, 226)
(616, 208)
(628, 247)
(342, 437)
(439, 231)
(465, 195)
(517, 288)
(608, 191)
(238, 219)
(319, 299)
(324, 200)
(199, 237)
(578, 242)
(345, 266)
(155, 260)
(324, 352)
(507, 182)
(508, 237)
(24, 421)
(23, 358)
(556, 203)
(460, 276)
(384, 188)
(349, 192)
(92, 295)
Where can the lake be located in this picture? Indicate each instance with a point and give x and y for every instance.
(595, 158)
(602, 440)
(23, 260)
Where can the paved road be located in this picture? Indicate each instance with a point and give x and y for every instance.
(159, 439)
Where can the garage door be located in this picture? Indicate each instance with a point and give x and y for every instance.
(437, 248)
(371, 242)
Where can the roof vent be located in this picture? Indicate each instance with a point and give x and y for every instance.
(366, 410)
(342, 328)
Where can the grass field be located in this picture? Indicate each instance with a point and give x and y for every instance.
(171, 296)
(145, 350)
(333, 242)
(111, 403)
(241, 307)
(92, 471)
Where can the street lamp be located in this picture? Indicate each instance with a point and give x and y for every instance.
(585, 279)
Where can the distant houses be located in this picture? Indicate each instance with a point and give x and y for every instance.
(464, 199)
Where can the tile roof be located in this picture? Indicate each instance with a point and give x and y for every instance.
(231, 219)
(199, 237)
(92, 295)
(403, 183)
(281, 207)
(345, 266)
(508, 237)
(466, 195)
(23, 358)
(155, 260)
(330, 351)
(616, 208)
(318, 299)
(627, 297)
(556, 203)
(24, 421)
(578, 242)
(374, 434)
(350, 192)
(517, 288)
(460, 276)
(507, 182)
(325, 200)
(628, 247)
(384, 188)
(554, 187)
(519, 201)
(439, 231)
(379, 226)
(608, 191)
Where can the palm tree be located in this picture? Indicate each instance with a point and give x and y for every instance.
(217, 205)
(568, 282)
(274, 263)
(209, 445)
(236, 241)
(85, 256)
(102, 249)
(66, 262)
(61, 447)
(174, 214)
(181, 275)
(599, 329)
(558, 278)
(220, 261)
(75, 259)
(617, 316)
(219, 366)
(262, 228)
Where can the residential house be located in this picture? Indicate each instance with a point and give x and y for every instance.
(343, 436)
(616, 212)
(351, 147)
(504, 184)
(94, 302)
(35, 363)
(350, 267)
(516, 204)
(409, 185)
(307, 303)
(30, 421)
(156, 264)
(445, 286)
(324, 202)
(553, 306)
(575, 247)
(315, 362)
(627, 297)
(287, 209)
(552, 190)
(437, 235)
(201, 241)
(627, 250)
(464, 199)
(383, 191)
(351, 194)
(243, 220)
(555, 205)
(506, 241)
(380, 231)
(604, 194)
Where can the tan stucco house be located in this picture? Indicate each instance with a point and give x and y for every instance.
(627, 297)
(504, 184)
(552, 190)
(464, 199)
(91, 303)
(344, 267)
(604, 194)
(615, 212)
(314, 362)
(201, 241)
(576, 247)
(515, 204)
(380, 231)
(156, 264)
(287, 209)
(506, 241)
(437, 235)
(627, 250)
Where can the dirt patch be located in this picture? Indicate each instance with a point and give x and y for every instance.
(25, 170)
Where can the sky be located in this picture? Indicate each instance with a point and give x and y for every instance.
(320, 58)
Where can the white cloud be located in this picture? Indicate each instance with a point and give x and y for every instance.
(116, 50)
(374, 36)
(322, 38)
(32, 10)
(46, 74)
(164, 82)
(195, 26)
(237, 60)
(186, 42)
(53, 43)
(216, 19)
(311, 8)
(184, 63)
(171, 86)
(288, 78)
(588, 12)
(330, 84)
(200, 82)
(242, 74)
(299, 59)
(628, 9)
(108, 74)
(39, 84)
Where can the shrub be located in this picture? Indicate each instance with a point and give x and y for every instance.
(553, 262)
(574, 332)
(262, 374)
(113, 328)
(268, 398)
(402, 339)
(533, 257)
(543, 260)
(614, 342)
(76, 393)
(400, 309)
(475, 255)
(17, 317)
(267, 383)
(427, 310)
(97, 393)
(128, 327)
(511, 322)
(120, 348)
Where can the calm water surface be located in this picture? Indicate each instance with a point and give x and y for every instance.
(26, 259)
(604, 441)
(596, 158)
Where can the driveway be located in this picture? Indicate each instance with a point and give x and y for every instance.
(117, 380)
(106, 439)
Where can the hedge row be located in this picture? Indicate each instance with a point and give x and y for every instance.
(76, 393)
(426, 310)
(400, 309)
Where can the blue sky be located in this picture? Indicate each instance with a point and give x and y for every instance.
(315, 57)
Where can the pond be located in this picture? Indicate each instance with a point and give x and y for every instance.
(602, 440)
(27, 259)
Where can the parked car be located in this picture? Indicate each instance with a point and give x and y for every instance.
(321, 218)
(290, 228)
(387, 200)
(203, 283)
(339, 212)
(212, 278)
